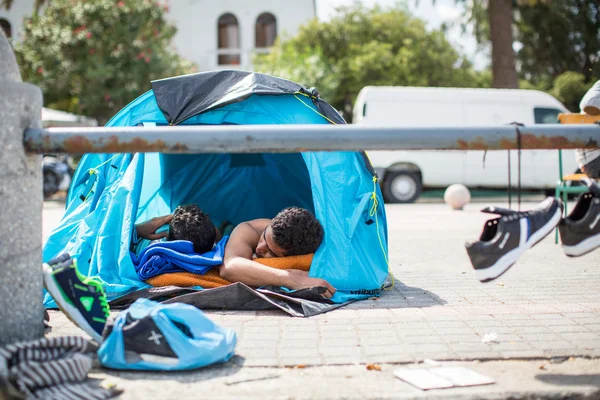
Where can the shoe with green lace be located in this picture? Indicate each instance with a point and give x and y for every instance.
(82, 299)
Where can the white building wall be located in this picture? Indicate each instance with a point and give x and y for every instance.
(197, 21)
(20, 10)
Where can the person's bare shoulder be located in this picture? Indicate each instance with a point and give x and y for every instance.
(259, 225)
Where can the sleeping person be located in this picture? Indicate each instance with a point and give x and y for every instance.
(294, 231)
(188, 222)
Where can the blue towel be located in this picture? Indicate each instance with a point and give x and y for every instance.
(176, 256)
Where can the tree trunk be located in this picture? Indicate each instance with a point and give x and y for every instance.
(504, 72)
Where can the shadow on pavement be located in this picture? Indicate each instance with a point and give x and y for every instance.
(230, 368)
(570, 380)
(402, 296)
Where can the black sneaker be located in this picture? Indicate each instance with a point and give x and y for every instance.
(505, 238)
(580, 230)
(82, 299)
(143, 340)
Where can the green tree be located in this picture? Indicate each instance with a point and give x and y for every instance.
(94, 57)
(554, 36)
(569, 88)
(360, 47)
(558, 36)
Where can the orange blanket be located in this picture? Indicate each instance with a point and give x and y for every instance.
(212, 279)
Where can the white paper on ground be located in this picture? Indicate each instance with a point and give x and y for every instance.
(442, 377)
(461, 376)
(422, 378)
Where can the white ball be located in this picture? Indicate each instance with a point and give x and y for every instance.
(457, 196)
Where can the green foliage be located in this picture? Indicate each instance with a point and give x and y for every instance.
(94, 57)
(569, 88)
(559, 36)
(556, 36)
(360, 47)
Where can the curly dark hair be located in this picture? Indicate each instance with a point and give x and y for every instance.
(191, 223)
(297, 231)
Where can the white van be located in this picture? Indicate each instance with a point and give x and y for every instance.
(403, 174)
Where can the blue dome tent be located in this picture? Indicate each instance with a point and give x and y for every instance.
(112, 192)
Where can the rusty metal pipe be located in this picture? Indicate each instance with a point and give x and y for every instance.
(295, 138)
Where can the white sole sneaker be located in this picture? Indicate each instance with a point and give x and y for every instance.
(68, 309)
(510, 258)
(583, 247)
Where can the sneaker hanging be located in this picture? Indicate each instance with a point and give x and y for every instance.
(506, 238)
(82, 299)
(580, 230)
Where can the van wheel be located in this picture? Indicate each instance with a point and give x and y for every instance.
(402, 187)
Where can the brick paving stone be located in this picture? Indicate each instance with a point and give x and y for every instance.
(560, 329)
(532, 329)
(301, 353)
(522, 354)
(340, 336)
(440, 325)
(580, 336)
(422, 339)
(512, 346)
(541, 337)
(385, 350)
(346, 342)
(552, 344)
(261, 362)
(257, 353)
(465, 338)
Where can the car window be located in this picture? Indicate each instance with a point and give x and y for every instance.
(544, 115)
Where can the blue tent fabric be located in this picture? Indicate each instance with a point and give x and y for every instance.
(112, 192)
(176, 256)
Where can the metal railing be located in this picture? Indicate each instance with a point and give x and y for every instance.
(296, 138)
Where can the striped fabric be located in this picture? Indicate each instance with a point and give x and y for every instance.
(52, 368)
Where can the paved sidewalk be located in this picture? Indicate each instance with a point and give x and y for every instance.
(548, 305)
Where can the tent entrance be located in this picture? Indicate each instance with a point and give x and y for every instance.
(232, 187)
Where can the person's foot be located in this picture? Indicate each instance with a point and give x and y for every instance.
(506, 238)
(81, 299)
(580, 230)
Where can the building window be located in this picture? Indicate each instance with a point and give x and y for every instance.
(6, 27)
(229, 40)
(266, 30)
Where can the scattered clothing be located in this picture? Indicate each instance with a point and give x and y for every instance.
(154, 336)
(176, 256)
(82, 299)
(506, 238)
(580, 230)
(212, 279)
(51, 368)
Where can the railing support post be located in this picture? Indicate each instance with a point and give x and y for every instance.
(21, 309)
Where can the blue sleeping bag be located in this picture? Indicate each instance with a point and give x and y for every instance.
(176, 256)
